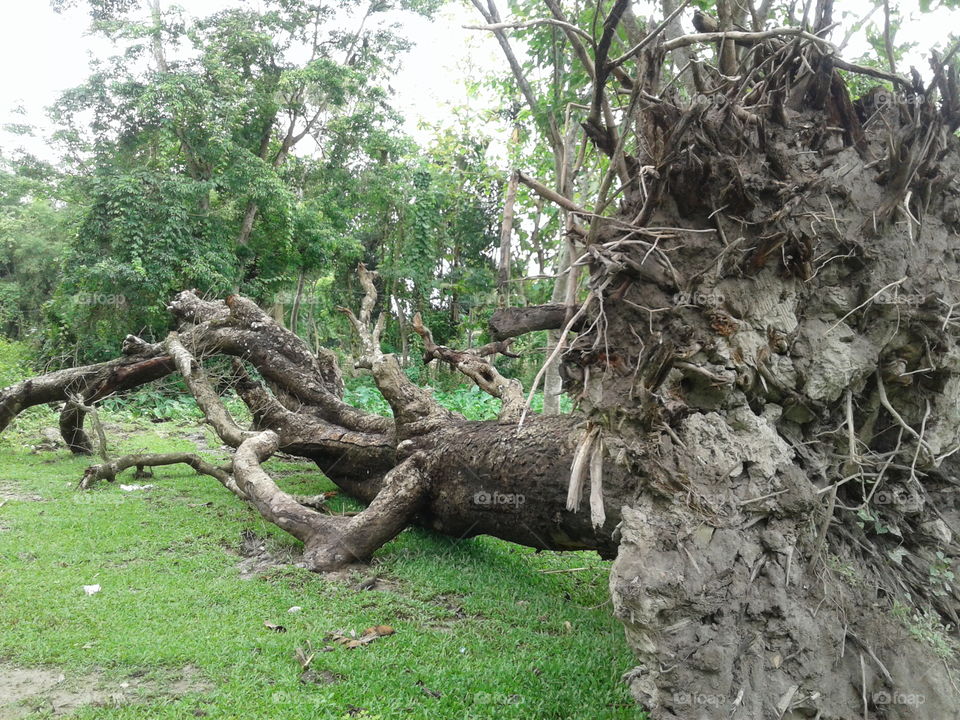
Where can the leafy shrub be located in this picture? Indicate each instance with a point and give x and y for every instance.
(468, 400)
(362, 394)
(15, 362)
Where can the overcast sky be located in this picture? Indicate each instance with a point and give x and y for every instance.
(43, 53)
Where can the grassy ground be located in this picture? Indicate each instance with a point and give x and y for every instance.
(484, 629)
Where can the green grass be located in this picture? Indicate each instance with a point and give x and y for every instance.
(477, 621)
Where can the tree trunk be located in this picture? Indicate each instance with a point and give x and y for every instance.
(506, 231)
(297, 299)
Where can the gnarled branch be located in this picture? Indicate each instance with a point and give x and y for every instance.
(482, 372)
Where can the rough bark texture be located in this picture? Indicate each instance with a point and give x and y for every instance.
(425, 465)
(808, 259)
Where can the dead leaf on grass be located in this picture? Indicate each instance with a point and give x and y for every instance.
(427, 691)
(350, 640)
(272, 626)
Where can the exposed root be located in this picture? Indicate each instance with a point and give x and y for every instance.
(109, 470)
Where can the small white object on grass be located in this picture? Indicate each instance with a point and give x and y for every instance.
(295, 609)
(132, 488)
(91, 589)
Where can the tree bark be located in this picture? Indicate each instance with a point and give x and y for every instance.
(506, 231)
(514, 321)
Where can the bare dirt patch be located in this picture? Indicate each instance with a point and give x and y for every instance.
(259, 557)
(10, 491)
(24, 691)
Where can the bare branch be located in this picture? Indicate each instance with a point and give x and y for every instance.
(492, 16)
(651, 36)
(481, 371)
(108, 471)
(196, 379)
(551, 195)
(532, 23)
(695, 38)
(413, 406)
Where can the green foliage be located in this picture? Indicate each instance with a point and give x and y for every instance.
(167, 402)
(137, 246)
(183, 166)
(927, 627)
(942, 577)
(15, 361)
(468, 400)
(33, 230)
(364, 395)
(471, 402)
(929, 5)
(154, 403)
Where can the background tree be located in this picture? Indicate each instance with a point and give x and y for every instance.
(34, 227)
(187, 167)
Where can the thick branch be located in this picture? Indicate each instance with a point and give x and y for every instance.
(76, 405)
(92, 382)
(342, 541)
(196, 379)
(241, 329)
(274, 504)
(355, 461)
(481, 371)
(415, 410)
(513, 321)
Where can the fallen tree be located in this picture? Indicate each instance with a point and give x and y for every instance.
(425, 463)
(767, 371)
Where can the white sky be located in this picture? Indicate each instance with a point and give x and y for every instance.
(43, 53)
